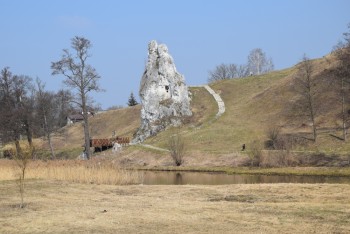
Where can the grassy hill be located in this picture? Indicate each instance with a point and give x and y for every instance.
(254, 105)
(68, 141)
(258, 103)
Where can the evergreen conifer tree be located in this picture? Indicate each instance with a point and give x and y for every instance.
(132, 100)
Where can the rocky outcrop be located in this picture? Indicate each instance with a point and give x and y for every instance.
(164, 95)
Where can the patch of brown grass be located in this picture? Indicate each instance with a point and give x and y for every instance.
(123, 121)
(63, 207)
(72, 171)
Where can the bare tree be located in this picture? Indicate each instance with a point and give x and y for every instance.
(79, 76)
(176, 147)
(258, 63)
(46, 109)
(242, 71)
(26, 103)
(9, 125)
(14, 119)
(14, 104)
(64, 106)
(225, 71)
(22, 158)
(269, 66)
(342, 76)
(232, 70)
(308, 90)
(221, 72)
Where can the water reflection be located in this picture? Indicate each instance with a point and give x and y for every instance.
(178, 178)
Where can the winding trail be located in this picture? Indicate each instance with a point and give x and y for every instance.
(153, 147)
(221, 110)
(218, 100)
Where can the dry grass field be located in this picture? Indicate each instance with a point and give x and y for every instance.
(90, 172)
(99, 196)
(64, 207)
(72, 196)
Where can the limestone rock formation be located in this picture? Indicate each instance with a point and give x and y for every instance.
(164, 95)
(117, 147)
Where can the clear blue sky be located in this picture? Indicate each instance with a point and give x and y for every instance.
(200, 34)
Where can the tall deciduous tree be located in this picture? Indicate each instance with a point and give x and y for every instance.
(221, 72)
(307, 88)
(46, 112)
(15, 118)
(258, 63)
(27, 104)
(14, 105)
(64, 106)
(342, 79)
(226, 71)
(242, 71)
(342, 75)
(79, 76)
(9, 123)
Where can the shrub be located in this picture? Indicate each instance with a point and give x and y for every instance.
(22, 158)
(176, 147)
(255, 153)
(280, 158)
(273, 134)
(278, 141)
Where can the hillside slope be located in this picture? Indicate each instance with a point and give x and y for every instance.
(258, 103)
(253, 106)
(68, 141)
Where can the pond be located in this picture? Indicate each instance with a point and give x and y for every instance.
(206, 178)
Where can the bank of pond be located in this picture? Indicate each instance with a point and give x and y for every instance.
(215, 178)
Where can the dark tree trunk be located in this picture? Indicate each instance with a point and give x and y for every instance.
(48, 135)
(343, 108)
(86, 127)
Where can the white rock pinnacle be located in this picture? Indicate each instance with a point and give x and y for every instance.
(164, 95)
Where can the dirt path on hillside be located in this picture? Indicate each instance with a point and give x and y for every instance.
(219, 101)
(221, 110)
